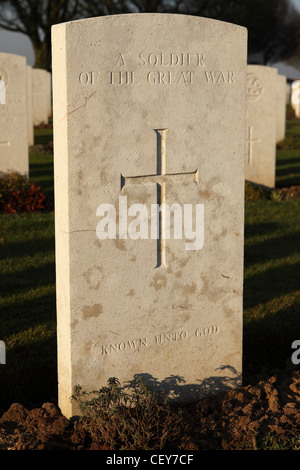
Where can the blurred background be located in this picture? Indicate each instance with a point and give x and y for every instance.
(273, 25)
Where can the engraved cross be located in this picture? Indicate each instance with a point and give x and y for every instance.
(160, 179)
(250, 142)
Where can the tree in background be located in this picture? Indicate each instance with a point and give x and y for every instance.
(273, 25)
(34, 18)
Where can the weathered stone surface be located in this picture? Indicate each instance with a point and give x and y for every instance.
(13, 115)
(30, 106)
(40, 84)
(281, 108)
(295, 97)
(261, 125)
(151, 108)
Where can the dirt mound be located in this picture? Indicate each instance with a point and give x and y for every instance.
(292, 192)
(238, 419)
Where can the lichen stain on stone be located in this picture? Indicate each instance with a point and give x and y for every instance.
(92, 311)
(120, 244)
(185, 317)
(159, 281)
(79, 182)
(189, 288)
(97, 243)
(205, 193)
(87, 347)
(94, 276)
(228, 311)
(205, 290)
(220, 235)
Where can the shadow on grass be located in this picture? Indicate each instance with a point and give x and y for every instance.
(29, 331)
(267, 341)
(30, 248)
(43, 136)
(271, 295)
(21, 282)
(271, 283)
(278, 261)
(290, 171)
(292, 180)
(269, 248)
(29, 375)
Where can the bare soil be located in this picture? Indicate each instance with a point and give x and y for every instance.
(235, 420)
(292, 192)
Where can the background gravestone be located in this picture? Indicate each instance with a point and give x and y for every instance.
(40, 87)
(151, 107)
(295, 97)
(29, 106)
(261, 125)
(281, 108)
(13, 115)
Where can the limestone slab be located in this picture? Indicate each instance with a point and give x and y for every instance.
(30, 106)
(261, 125)
(149, 108)
(13, 115)
(281, 108)
(295, 97)
(40, 87)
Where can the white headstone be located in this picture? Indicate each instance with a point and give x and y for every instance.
(13, 115)
(261, 125)
(40, 96)
(281, 108)
(49, 93)
(29, 106)
(149, 109)
(295, 97)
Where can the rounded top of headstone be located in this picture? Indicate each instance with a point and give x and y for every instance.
(162, 18)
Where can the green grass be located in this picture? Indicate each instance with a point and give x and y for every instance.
(43, 136)
(41, 171)
(27, 272)
(27, 308)
(271, 283)
(288, 157)
(41, 161)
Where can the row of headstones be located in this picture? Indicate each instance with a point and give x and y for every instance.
(26, 101)
(29, 100)
(266, 122)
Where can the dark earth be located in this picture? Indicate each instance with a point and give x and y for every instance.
(235, 420)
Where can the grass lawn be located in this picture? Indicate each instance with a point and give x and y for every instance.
(27, 271)
(288, 157)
